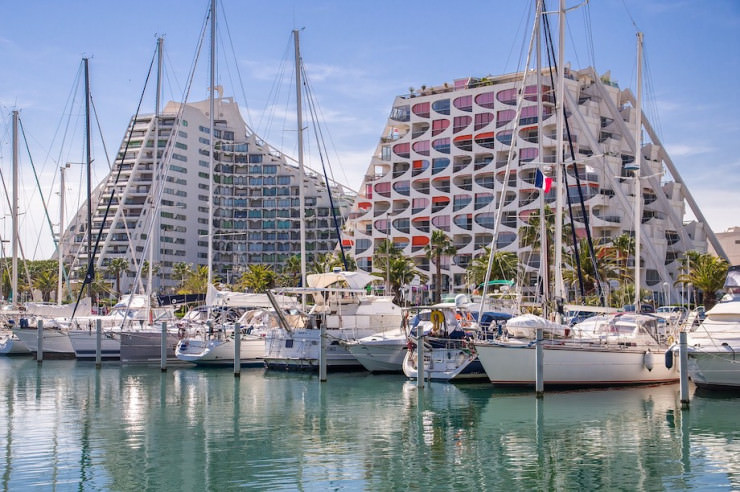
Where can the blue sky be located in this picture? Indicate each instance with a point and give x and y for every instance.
(358, 56)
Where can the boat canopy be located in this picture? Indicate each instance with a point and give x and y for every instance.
(355, 280)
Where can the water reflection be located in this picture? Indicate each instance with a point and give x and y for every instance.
(67, 425)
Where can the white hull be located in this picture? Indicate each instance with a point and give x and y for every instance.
(84, 343)
(56, 343)
(300, 349)
(220, 352)
(380, 354)
(452, 363)
(11, 345)
(709, 369)
(574, 365)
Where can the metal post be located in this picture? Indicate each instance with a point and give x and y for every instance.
(39, 339)
(237, 350)
(98, 342)
(683, 352)
(419, 357)
(163, 348)
(540, 379)
(322, 351)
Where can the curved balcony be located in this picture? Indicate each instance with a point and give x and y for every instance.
(485, 100)
(460, 123)
(441, 184)
(485, 139)
(486, 220)
(442, 222)
(421, 109)
(461, 240)
(461, 162)
(439, 203)
(400, 206)
(464, 182)
(400, 168)
(419, 167)
(419, 129)
(421, 186)
(439, 126)
(482, 120)
(439, 164)
(464, 103)
(421, 224)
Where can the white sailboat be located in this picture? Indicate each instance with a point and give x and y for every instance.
(447, 331)
(714, 347)
(213, 345)
(619, 352)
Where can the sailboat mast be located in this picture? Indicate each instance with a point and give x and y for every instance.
(299, 117)
(544, 266)
(60, 244)
(210, 153)
(14, 211)
(559, 191)
(88, 162)
(638, 160)
(154, 239)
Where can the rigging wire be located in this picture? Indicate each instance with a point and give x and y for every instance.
(318, 134)
(551, 58)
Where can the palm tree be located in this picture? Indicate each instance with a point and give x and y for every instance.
(606, 265)
(440, 245)
(624, 247)
(707, 273)
(183, 271)
(290, 275)
(196, 282)
(384, 254)
(257, 278)
(46, 282)
(115, 268)
(505, 266)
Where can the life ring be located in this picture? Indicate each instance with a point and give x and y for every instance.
(671, 340)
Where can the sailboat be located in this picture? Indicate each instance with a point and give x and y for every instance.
(621, 350)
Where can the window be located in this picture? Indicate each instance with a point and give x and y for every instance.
(459, 123)
(464, 103)
(438, 126)
(442, 106)
(482, 119)
(485, 100)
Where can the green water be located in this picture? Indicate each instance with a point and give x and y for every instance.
(66, 426)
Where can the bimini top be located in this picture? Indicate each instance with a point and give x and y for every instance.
(732, 282)
(355, 280)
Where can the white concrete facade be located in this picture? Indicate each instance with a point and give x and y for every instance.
(441, 162)
(256, 213)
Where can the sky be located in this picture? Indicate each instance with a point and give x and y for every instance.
(358, 57)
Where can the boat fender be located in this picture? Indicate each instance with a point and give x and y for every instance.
(647, 360)
(668, 359)
(460, 359)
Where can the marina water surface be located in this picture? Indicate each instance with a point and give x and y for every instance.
(66, 425)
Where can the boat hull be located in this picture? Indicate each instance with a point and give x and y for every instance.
(300, 350)
(11, 345)
(146, 347)
(715, 370)
(84, 343)
(452, 362)
(56, 343)
(220, 352)
(510, 364)
(379, 355)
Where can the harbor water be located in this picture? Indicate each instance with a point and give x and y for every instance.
(65, 425)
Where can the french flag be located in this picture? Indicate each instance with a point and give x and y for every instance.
(542, 182)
